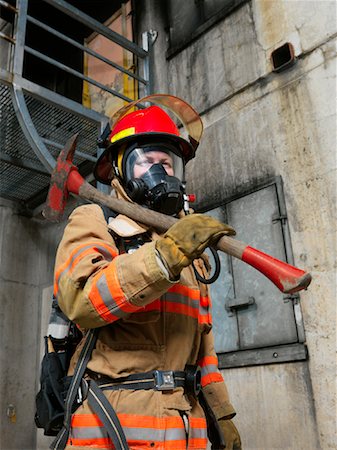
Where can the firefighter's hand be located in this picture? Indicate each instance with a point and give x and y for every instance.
(231, 434)
(187, 239)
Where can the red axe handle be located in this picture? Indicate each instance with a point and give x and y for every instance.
(287, 278)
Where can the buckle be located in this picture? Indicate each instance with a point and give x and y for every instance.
(164, 380)
(193, 379)
(82, 392)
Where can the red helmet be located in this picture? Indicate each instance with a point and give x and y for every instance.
(145, 126)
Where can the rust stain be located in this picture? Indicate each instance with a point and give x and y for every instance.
(272, 22)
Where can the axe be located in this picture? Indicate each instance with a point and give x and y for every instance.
(66, 179)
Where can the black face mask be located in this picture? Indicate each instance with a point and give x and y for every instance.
(157, 190)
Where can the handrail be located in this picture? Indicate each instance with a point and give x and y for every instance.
(8, 6)
(75, 72)
(14, 10)
(7, 38)
(85, 49)
(80, 16)
(20, 48)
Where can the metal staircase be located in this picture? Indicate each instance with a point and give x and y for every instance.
(36, 121)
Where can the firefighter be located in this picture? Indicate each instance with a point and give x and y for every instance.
(139, 288)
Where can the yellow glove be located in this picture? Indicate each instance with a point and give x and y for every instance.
(187, 239)
(231, 434)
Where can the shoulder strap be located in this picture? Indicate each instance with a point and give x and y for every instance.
(74, 388)
(100, 405)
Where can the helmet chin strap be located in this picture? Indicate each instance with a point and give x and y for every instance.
(117, 186)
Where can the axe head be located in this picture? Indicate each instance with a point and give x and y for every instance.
(58, 191)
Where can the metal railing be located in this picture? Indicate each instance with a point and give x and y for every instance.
(36, 119)
(19, 41)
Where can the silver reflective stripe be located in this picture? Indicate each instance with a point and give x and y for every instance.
(144, 434)
(198, 433)
(132, 433)
(183, 299)
(88, 433)
(203, 310)
(108, 300)
(210, 368)
(155, 434)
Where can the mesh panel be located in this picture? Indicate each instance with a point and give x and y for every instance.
(52, 123)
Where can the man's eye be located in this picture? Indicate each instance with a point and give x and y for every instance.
(143, 163)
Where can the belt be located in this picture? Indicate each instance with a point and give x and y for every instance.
(159, 380)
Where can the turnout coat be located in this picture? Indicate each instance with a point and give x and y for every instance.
(147, 322)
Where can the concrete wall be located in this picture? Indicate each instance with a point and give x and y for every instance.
(27, 252)
(259, 124)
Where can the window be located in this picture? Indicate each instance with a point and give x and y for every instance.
(253, 321)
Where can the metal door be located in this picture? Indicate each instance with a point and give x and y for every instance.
(249, 312)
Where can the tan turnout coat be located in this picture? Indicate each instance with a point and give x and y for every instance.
(147, 322)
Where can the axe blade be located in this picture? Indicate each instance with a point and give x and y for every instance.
(58, 190)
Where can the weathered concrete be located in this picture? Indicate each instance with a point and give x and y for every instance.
(276, 407)
(259, 124)
(27, 252)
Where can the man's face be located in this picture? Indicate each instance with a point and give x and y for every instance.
(146, 160)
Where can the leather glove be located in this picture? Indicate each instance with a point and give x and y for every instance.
(231, 435)
(187, 239)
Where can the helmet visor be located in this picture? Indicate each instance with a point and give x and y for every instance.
(138, 161)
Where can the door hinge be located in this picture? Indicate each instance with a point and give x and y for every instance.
(279, 218)
(295, 298)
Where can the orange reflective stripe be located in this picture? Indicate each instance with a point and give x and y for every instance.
(181, 308)
(107, 297)
(86, 420)
(114, 287)
(193, 294)
(197, 443)
(208, 360)
(106, 443)
(98, 303)
(172, 445)
(209, 370)
(203, 318)
(197, 422)
(187, 302)
(178, 444)
(153, 306)
(141, 431)
(93, 443)
(130, 420)
(79, 253)
(209, 378)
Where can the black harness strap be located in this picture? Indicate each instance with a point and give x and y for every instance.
(100, 405)
(96, 400)
(160, 380)
(90, 341)
(214, 432)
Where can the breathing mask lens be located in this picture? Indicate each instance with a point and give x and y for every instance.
(140, 159)
(154, 178)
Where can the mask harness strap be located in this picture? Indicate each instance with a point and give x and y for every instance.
(217, 269)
